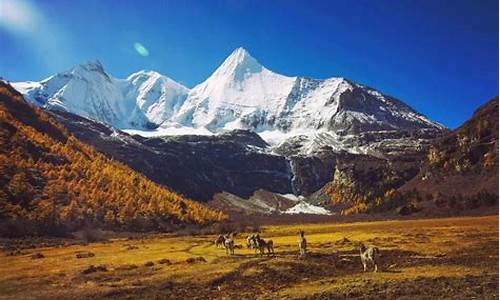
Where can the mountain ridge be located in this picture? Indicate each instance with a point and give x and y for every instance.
(239, 94)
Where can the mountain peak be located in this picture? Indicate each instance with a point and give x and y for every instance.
(240, 53)
(90, 67)
(145, 74)
(237, 64)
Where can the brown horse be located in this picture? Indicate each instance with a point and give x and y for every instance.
(262, 245)
(219, 241)
(302, 243)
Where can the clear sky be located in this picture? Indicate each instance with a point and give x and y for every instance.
(440, 57)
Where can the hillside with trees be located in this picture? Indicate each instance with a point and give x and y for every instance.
(51, 183)
(458, 172)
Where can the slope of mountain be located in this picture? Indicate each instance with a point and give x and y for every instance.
(196, 166)
(458, 171)
(464, 162)
(51, 183)
(296, 115)
(237, 162)
(265, 202)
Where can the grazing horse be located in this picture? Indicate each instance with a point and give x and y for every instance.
(229, 244)
(219, 241)
(368, 255)
(302, 243)
(252, 242)
(262, 245)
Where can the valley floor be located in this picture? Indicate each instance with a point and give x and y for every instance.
(451, 258)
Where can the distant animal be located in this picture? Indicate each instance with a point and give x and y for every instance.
(252, 242)
(262, 245)
(219, 241)
(368, 256)
(229, 244)
(302, 243)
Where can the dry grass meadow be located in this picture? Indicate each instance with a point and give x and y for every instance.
(453, 258)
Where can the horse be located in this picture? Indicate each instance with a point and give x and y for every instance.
(229, 244)
(219, 241)
(302, 243)
(252, 242)
(368, 255)
(262, 245)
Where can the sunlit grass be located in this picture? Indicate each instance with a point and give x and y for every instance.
(59, 273)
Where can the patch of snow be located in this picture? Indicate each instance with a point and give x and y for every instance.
(276, 136)
(306, 208)
(166, 131)
(292, 197)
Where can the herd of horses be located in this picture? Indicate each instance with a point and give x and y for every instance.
(254, 241)
(368, 255)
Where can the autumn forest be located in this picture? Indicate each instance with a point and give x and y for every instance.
(50, 183)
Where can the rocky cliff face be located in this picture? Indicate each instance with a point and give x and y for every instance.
(464, 162)
(195, 166)
(454, 172)
(240, 162)
(360, 179)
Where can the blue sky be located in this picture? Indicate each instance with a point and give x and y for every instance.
(440, 57)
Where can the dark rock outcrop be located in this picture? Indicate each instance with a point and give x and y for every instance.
(239, 162)
(196, 166)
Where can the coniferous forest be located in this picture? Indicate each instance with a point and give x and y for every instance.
(50, 183)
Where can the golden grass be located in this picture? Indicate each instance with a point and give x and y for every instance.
(413, 250)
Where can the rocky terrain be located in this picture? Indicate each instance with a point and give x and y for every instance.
(238, 162)
(464, 162)
(196, 166)
(459, 171)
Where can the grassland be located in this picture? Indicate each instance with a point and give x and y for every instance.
(420, 259)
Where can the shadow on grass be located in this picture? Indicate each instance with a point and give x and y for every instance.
(262, 276)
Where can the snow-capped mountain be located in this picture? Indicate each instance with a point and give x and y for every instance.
(238, 92)
(241, 93)
(303, 113)
(143, 99)
(308, 113)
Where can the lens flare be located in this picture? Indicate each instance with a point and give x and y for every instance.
(141, 49)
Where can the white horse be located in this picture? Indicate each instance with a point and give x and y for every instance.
(229, 244)
(368, 256)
